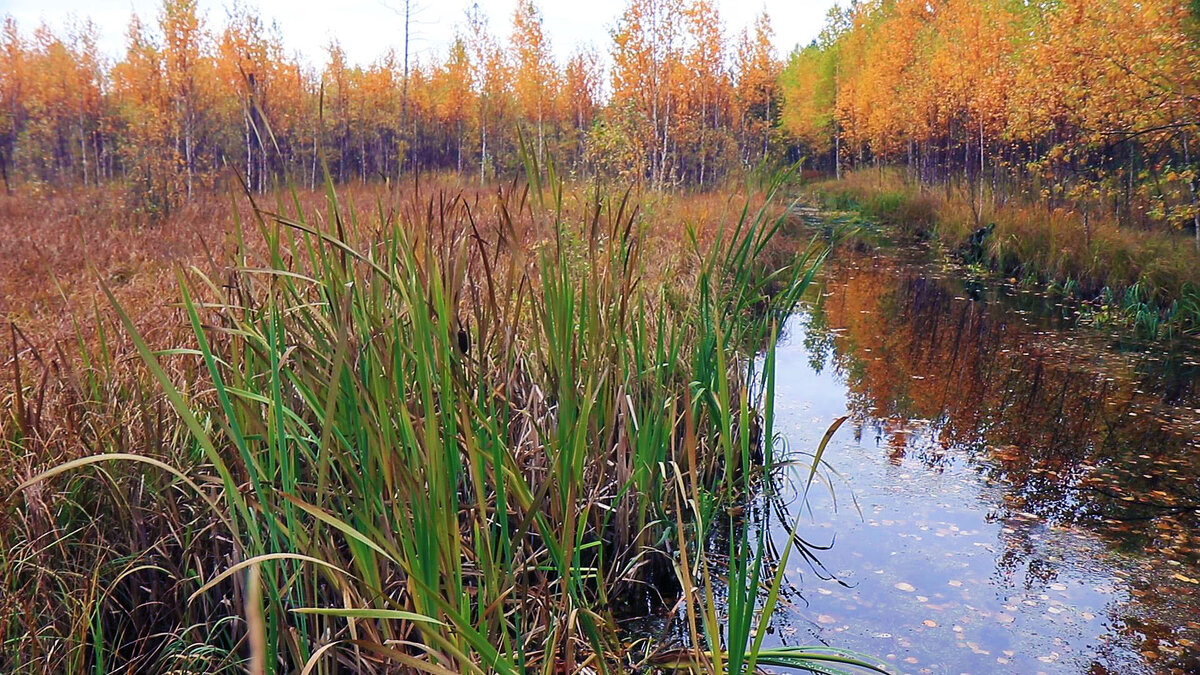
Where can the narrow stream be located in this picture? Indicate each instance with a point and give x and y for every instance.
(1012, 495)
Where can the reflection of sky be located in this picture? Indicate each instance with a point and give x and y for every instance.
(824, 394)
(942, 572)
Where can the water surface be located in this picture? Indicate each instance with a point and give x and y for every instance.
(1014, 495)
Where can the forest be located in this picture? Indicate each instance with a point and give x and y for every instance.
(684, 103)
(1087, 106)
(1092, 107)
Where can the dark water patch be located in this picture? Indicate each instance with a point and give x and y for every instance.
(1029, 494)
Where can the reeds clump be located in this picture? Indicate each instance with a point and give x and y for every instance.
(451, 436)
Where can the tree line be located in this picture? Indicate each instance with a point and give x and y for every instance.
(685, 102)
(1090, 106)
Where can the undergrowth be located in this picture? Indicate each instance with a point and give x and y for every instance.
(1144, 281)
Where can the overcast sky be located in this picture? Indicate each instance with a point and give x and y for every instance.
(367, 28)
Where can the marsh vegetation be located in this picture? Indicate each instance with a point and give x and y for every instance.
(440, 431)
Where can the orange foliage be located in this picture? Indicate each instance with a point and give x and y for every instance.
(189, 98)
(1087, 105)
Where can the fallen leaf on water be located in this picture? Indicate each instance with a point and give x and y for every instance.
(905, 586)
(1189, 580)
(955, 583)
(930, 623)
(825, 618)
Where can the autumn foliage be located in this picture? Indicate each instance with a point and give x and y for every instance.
(1088, 106)
(190, 98)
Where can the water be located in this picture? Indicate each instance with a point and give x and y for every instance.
(1013, 495)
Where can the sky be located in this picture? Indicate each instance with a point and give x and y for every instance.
(366, 29)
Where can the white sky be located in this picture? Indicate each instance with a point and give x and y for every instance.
(367, 28)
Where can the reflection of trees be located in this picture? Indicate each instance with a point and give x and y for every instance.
(1076, 442)
(1077, 433)
(818, 340)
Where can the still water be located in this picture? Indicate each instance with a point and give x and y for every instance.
(1011, 494)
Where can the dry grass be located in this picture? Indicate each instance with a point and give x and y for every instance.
(70, 240)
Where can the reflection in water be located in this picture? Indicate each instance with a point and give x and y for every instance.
(1029, 495)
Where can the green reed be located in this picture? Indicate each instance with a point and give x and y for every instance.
(449, 437)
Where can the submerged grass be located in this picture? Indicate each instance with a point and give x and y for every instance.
(460, 435)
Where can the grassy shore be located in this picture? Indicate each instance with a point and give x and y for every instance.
(1147, 281)
(425, 428)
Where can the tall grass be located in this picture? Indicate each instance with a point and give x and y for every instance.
(460, 435)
